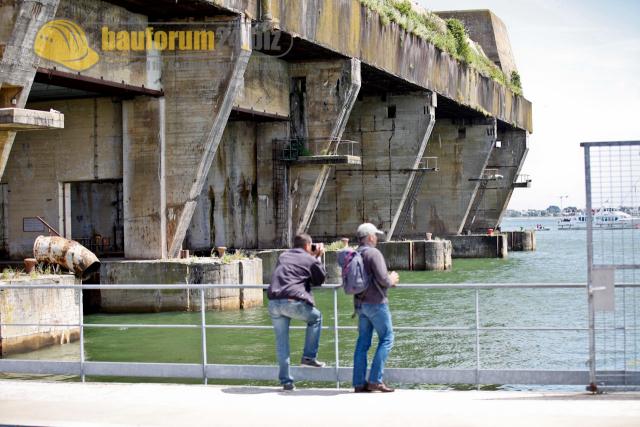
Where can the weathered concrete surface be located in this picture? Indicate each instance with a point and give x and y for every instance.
(432, 255)
(195, 120)
(144, 183)
(192, 271)
(490, 32)
(18, 62)
(92, 141)
(269, 261)
(43, 306)
(322, 113)
(392, 134)
(524, 241)
(265, 88)
(66, 403)
(479, 246)
(15, 119)
(366, 38)
(445, 198)
(398, 255)
(491, 201)
(227, 211)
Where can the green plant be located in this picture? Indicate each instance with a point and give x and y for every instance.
(238, 255)
(449, 36)
(459, 33)
(515, 80)
(335, 246)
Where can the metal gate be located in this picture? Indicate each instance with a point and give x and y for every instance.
(612, 217)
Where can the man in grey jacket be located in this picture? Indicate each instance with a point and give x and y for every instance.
(372, 307)
(290, 297)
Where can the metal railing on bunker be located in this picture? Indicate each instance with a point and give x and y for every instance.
(336, 373)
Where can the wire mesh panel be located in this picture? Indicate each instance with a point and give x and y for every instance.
(612, 171)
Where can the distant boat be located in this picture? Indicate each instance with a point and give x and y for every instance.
(605, 218)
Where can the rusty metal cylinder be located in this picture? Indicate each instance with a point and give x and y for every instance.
(66, 253)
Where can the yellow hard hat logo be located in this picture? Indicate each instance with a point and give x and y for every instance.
(65, 43)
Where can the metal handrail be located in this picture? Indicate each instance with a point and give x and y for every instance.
(259, 372)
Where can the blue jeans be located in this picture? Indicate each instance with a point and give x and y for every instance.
(370, 317)
(281, 312)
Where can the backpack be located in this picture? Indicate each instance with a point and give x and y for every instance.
(354, 277)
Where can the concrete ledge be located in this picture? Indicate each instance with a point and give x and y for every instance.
(180, 271)
(329, 160)
(479, 246)
(17, 119)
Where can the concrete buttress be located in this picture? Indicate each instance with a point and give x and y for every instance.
(330, 92)
(506, 161)
(200, 94)
(393, 132)
(21, 21)
(463, 148)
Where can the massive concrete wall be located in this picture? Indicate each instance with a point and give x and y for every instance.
(227, 211)
(88, 149)
(331, 91)
(349, 28)
(201, 101)
(490, 32)
(490, 202)
(393, 132)
(463, 148)
(21, 20)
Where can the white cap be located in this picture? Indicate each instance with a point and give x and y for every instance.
(368, 229)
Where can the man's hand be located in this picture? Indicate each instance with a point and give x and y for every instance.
(395, 279)
(319, 250)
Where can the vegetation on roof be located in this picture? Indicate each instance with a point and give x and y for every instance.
(449, 36)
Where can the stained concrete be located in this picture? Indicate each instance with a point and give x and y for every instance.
(392, 135)
(88, 149)
(38, 306)
(66, 403)
(479, 246)
(179, 271)
(443, 203)
(491, 200)
(523, 241)
(18, 61)
(485, 28)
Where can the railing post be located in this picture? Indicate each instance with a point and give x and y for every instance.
(81, 324)
(203, 328)
(335, 335)
(477, 310)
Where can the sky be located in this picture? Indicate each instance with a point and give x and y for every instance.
(580, 66)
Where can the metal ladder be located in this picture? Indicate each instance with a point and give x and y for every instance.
(411, 200)
(281, 193)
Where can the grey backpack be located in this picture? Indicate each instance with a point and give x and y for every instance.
(354, 276)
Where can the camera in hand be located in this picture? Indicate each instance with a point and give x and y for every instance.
(314, 247)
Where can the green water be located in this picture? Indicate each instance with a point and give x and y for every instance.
(560, 258)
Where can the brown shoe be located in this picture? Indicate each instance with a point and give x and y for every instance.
(381, 387)
(362, 388)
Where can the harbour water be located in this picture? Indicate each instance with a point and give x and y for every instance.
(560, 258)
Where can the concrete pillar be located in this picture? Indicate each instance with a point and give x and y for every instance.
(144, 204)
(463, 148)
(200, 94)
(331, 90)
(18, 64)
(491, 202)
(392, 132)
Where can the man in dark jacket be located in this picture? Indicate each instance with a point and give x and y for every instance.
(372, 307)
(290, 297)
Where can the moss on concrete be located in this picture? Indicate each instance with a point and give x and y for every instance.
(449, 36)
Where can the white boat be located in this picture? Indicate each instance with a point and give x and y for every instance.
(605, 218)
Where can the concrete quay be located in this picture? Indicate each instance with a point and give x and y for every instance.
(102, 404)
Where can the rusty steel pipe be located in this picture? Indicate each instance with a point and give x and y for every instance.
(66, 253)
